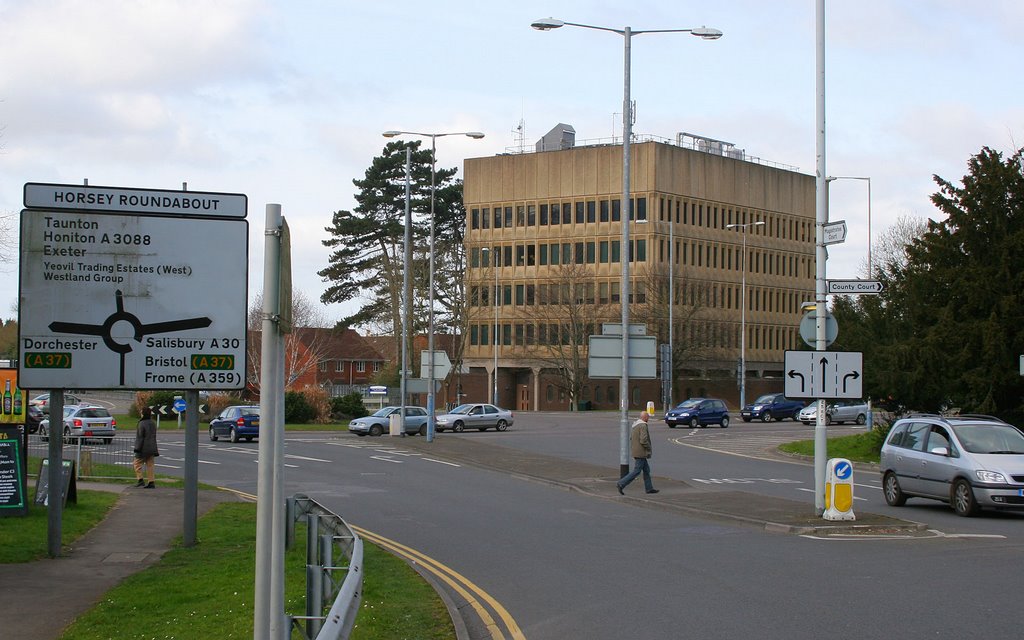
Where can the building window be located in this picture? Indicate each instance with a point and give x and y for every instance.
(616, 244)
(520, 294)
(376, 366)
(602, 293)
(497, 217)
(485, 218)
(550, 393)
(556, 212)
(531, 255)
(591, 211)
(604, 211)
(520, 255)
(507, 255)
(543, 215)
(506, 335)
(508, 217)
(323, 366)
(543, 254)
(339, 366)
(554, 254)
(579, 213)
(474, 257)
(591, 255)
(579, 253)
(531, 215)
(361, 366)
(475, 219)
(520, 216)
(641, 208)
(566, 253)
(603, 251)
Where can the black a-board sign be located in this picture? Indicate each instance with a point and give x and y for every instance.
(13, 491)
(68, 488)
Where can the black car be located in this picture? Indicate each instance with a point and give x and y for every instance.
(33, 416)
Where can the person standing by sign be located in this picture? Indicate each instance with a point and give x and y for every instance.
(145, 449)
(640, 449)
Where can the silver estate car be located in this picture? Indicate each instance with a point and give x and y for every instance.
(838, 412)
(968, 461)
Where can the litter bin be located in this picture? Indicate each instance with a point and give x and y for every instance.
(395, 424)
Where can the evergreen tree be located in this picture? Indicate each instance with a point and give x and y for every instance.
(947, 330)
(367, 257)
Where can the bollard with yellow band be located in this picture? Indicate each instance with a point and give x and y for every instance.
(839, 490)
(650, 407)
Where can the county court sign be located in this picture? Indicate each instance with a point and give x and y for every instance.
(132, 289)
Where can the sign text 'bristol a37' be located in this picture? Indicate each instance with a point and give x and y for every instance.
(112, 299)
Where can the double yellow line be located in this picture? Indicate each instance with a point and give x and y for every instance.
(459, 583)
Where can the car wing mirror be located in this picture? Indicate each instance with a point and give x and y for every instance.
(940, 451)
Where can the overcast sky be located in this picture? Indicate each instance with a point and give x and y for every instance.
(286, 101)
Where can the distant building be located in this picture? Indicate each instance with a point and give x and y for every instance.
(543, 245)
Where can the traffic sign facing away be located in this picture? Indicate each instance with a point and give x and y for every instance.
(855, 287)
(442, 364)
(809, 329)
(824, 374)
(604, 358)
(835, 232)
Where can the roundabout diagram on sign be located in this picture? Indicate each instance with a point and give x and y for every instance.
(140, 329)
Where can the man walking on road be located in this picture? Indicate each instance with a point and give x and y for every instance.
(640, 449)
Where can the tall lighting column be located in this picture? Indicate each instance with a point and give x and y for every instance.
(743, 309)
(430, 331)
(547, 24)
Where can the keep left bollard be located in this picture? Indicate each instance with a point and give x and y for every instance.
(839, 490)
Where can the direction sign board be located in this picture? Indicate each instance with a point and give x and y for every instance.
(835, 232)
(826, 375)
(114, 301)
(137, 201)
(855, 287)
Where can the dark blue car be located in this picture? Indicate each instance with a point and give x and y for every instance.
(698, 412)
(236, 422)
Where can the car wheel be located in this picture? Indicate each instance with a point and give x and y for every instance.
(376, 430)
(43, 435)
(233, 436)
(862, 419)
(694, 423)
(670, 425)
(458, 426)
(213, 435)
(501, 426)
(766, 416)
(725, 422)
(107, 440)
(423, 430)
(67, 436)
(963, 499)
(746, 419)
(894, 496)
(796, 415)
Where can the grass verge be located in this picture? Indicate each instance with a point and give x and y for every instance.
(25, 539)
(860, 447)
(207, 591)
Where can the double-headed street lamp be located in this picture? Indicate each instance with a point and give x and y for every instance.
(547, 24)
(743, 309)
(476, 135)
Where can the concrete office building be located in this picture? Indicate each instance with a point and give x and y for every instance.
(543, 267)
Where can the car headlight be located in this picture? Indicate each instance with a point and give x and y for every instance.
(990, 476)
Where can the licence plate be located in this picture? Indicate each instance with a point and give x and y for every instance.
(255, 423)
(1020, 492)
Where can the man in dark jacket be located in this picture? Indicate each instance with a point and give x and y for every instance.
(145, 449)
(640, 449)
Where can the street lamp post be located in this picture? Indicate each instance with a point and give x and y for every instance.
(743, 309)
(871, 270)
(547, 24)
(430, 310)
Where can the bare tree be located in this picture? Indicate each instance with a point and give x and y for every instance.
(560, 314)
(304, 348)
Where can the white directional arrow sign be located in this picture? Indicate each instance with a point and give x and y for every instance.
(824, 374)
(835, 232)
(855, 287)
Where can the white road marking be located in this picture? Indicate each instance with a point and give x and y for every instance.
(383, 459)
(295, 457)
(450, 464)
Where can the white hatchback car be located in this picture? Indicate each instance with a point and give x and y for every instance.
(838, 412)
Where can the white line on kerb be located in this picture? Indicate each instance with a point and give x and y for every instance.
(450, 464)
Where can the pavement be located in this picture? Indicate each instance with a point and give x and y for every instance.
(144, 523)
(777, 515)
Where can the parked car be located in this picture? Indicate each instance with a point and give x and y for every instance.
(773, 406)
(475, 416)
(379, 422)
(236, 422)
(33, 416)
(839, 412)
(967, 461)
(698, 412)
(83, 421)
(42, 401)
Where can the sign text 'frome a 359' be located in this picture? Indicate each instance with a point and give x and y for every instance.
(112, 298)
